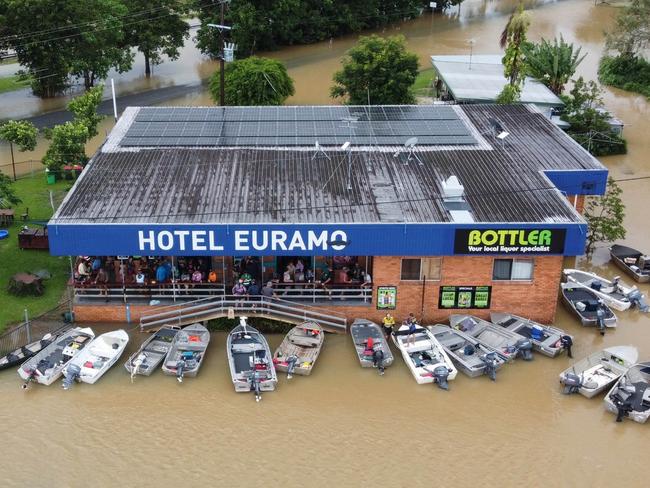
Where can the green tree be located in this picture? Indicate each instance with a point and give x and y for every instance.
(84, 108)
(513, 38)
(160, 29)
(254, 81)
(67, 145)
(379, 69)
(8, 197)
(604, 216)
(55, 39)
(21, 133)
(631, 33)
(552, 63)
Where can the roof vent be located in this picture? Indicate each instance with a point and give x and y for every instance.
(454, 202)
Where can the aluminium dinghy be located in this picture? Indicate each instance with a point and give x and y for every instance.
(299, 350)
(47, 366)
(22, 354)
(507, 343)
(630, 396)
(186, 353)
(371, 345)
(470, 356)
(596, 372)
(633, 262)
(614, 293)
(585, 304)
(251, 364)
(97, 358)
(548, 340)
(424, 356)
(151, 352)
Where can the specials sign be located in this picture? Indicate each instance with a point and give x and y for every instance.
(509, 241)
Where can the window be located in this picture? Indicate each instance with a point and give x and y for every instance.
(513, 269)
(416, 269)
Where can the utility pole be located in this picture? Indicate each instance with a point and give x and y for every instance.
(222, 64)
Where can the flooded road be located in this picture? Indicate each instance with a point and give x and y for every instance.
(344, 425)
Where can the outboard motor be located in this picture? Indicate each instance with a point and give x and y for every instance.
(440, 375)
(291, 365)
(524, 349)
(469, 349)
(30, 378)
(572, 383)
(72, 373)
(566, 342)
(180, 369)
(135, 365)
(491, 362)
(638, 300)
(600, 318)
(378, 361)
(623, 404)
(256, 386)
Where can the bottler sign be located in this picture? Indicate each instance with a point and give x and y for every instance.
(509, 241)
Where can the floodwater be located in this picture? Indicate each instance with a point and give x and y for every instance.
(344, 425)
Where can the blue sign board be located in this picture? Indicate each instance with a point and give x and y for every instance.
(306, 239)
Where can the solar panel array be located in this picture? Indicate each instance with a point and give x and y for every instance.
(295, 126)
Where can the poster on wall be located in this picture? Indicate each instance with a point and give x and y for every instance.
(386, 297)
(464, 297)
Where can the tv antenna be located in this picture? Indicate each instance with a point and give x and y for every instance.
(319, 152)
(471, 43)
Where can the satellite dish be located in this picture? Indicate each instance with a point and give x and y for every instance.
(411, 142)
(345, 145)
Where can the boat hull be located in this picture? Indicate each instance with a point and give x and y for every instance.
(155, 349)
(618, 261)
(610, 322)
(106, 348)
(192, 339)
(616, 300)
(247, 351)
(549, 345)
(304, 341)
(360, 331)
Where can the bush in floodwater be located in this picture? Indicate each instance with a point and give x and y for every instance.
(629, 73)
(266, 326)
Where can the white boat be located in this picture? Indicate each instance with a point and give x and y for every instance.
(151, 352)
(47, 366)
(548, 340)
(614, 293)
(97, 358)
(251, 364)
(298, 352)
(186, 354)
(371, 345)
(596, 372)
(424, 356)
(630, 396)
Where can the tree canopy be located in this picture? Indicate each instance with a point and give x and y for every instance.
(513, 38)
(605, 216)
(254, 81)
(84, 108)
(67, 146)
(554, 63)
(379, 69)
(631, 33)
(22, 133)
(8, 197)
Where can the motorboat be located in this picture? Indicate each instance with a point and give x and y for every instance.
(371, 345)
(424, 356)
(633, 262)
(251, 364)
(187, 351)
(151, 352)
(22, 354)
(299, 349)
(97, 358)
(585, 304)
(630, 396)
(614, 293)
(508, 344)
(593, 374)
(469, 355)
(548, 340)
(47, 366)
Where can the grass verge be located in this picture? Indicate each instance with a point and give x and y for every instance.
(11, 83)
(34, 193)
(423, 83)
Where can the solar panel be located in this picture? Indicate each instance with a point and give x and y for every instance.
(298, 126)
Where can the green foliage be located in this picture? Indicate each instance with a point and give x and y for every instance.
(13, 82)
(552, 63)
(67, 146)
(605, 216)
(84, 108)
(8, 197)
(631, 33)
(254, 81)
(628, 73)
(513, 38)
(21, 133)
(262, 25)
(266, 326)
(589, 123)
(163, 31)
(377, 68)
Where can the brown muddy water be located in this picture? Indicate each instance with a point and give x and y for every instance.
(344, 425)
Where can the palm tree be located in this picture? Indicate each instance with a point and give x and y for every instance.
(553, 63)
(513, 39)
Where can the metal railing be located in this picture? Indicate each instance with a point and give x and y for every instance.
(229, 305)
(25, 333)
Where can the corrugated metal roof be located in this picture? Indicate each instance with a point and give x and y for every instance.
(502, 181)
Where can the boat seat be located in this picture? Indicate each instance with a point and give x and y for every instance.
(243, 348)
(305, 341)
(419, 346)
